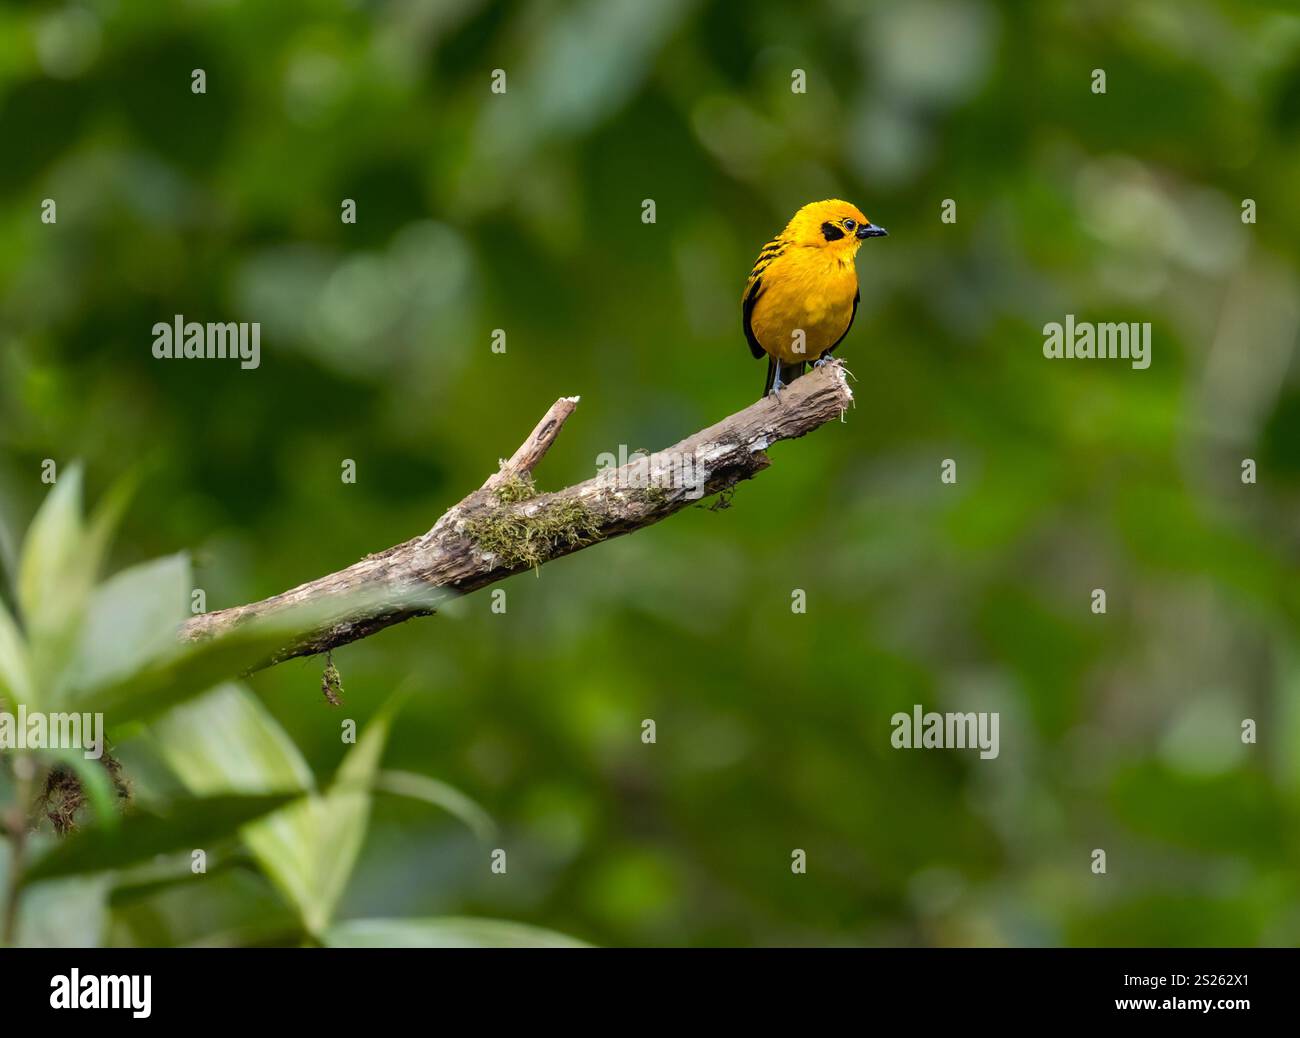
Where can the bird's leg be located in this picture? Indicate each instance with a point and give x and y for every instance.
(777, 384)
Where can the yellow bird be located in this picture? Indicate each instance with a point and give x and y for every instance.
(802, 294)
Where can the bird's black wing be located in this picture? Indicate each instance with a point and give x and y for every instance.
(754, 289)
(752, 292)
(857, 297)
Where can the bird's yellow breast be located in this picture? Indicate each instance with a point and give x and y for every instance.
(807, 301)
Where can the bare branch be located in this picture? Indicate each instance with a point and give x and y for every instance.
(539, 441)
(490, 534)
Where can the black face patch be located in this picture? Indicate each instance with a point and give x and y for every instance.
(830, 232)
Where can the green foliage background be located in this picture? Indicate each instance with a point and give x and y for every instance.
(523, 212)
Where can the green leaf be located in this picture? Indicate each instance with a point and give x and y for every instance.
(48, 566)
(71, 913)
(15, 669)
(60, 560)
(193, 667)
(344, 818)
(439, 794)
(226, 741)
(187, 670)
(105, 518)
(54, 579)
(444, 932)
(287, 847)
(183, 824)
(131, 620)
(7, 567)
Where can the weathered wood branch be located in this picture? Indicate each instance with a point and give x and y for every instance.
(505, 527)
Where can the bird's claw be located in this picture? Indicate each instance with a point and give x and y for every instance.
(838, 362)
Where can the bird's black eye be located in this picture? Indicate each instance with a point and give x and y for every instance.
(849, 225)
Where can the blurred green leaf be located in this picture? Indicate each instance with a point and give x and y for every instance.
(184, 824)
(226, 741)
(70, 913)
(15, 669)
(439, 794)
(192, 667)
(446, 932)
(59, 563)
(55, 574)
(189, 669)
(51, 567)
(342, 820)
(131, 620)
(105, 518)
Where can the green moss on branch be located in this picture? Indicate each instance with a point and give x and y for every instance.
(518, 538)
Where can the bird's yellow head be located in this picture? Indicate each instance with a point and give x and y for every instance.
(833, 224)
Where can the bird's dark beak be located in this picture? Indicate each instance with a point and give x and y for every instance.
(870, 230)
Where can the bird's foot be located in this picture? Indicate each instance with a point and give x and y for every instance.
(838, 362)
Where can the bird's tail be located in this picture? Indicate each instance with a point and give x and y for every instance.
(788, 372)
